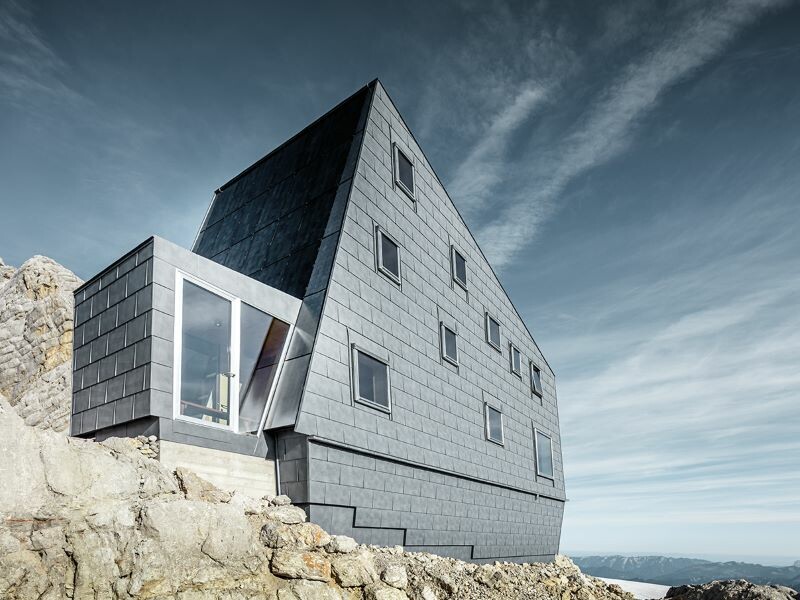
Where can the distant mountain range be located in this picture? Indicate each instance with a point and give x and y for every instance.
(680, 571)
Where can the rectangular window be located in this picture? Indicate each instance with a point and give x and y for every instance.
(449, 343)
(536, 380)
(494, 425)
(404, 172)
(516, 359)
(544, 455)
(371, 380)
(206, 364)
(388, 255)
(227, 357)
(492, 331)
(459, 267)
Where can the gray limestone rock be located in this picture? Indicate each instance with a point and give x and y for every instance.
(731, 590)
(356, 569)
(301, 565)
(395, 576)
(302, 536)
(36, 328)
(341, 544)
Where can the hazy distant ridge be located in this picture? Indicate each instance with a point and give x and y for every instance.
(679, 571)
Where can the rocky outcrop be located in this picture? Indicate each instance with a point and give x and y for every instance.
(80, 519)
(36, 312)
(738, 589)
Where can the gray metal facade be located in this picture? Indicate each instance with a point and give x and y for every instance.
(124, 346)
(303, 220)
(427, 469)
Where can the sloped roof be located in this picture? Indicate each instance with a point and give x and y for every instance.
(293, 191)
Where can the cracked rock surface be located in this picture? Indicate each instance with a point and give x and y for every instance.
(81, 519)
(36, 319)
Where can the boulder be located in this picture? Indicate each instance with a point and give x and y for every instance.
(731, 590)
(341, 544)
(36, 327)
(302, 536)
(289, 515)
(395, 576)
(292, 564)
(356, 569)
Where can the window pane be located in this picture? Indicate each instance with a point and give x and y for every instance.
(390, 256)
(494, 422)
(460, 268)
(536, 380)
(205, 355)
(544, 455)
(405, 171)
(373, 380)
(494, 332)
(262, 341)
(516, 360)
(450, 344)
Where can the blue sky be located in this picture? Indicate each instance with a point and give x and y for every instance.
(632, 169)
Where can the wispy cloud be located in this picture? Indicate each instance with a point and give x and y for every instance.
(689, 415)
(611, 121)
(29, 68)
(484, 167)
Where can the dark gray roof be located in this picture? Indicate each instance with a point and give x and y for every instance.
(269, 221)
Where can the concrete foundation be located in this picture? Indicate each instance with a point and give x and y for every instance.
(250, 475)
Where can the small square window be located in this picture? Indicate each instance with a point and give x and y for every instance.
(516, 359)
(371, 379)
(544, 455)
(492, 331)
(536, 380)
(388, 255)
(449, 343)
(459, 268)
(494, 425)
(404, 172)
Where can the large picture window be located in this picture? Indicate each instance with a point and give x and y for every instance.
(227, 356)
(544, 455)
(371, 380)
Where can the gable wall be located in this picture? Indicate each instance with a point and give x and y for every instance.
(367, 460)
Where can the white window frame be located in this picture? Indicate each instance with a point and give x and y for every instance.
(233, 400)
(410, 193)
(511, 349)
(453, 252)
(502, 440)
(536, 433)
(496, 346)
(380, 232)
(538, 391)
(233, 383)
(357, 393)
(449, 359)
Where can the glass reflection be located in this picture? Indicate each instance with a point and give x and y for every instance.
(261, 342)
(205, 355)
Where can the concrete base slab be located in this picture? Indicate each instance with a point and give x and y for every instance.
(229, 471)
